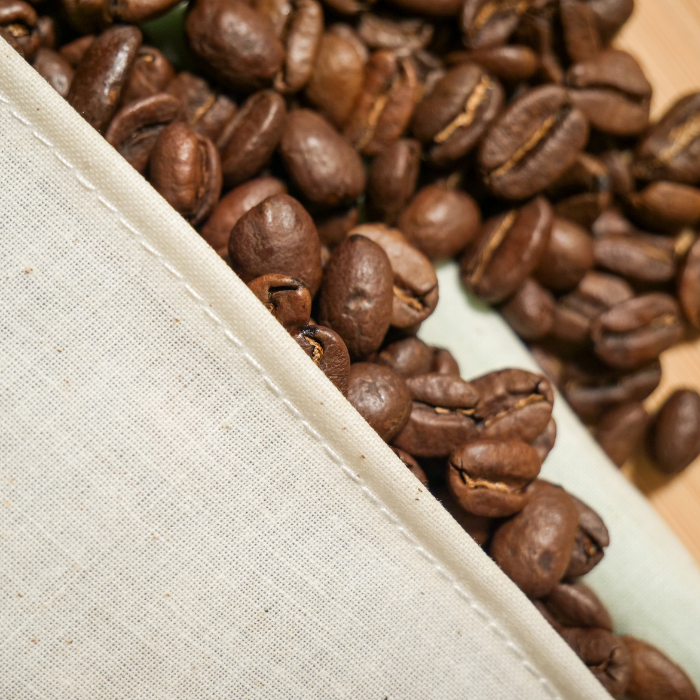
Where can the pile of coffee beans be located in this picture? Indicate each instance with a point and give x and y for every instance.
(332, 151)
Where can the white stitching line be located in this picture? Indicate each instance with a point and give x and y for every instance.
(491, 623)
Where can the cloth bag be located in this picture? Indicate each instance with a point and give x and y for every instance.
(189, 509)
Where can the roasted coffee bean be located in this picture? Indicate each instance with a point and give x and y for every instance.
(612, 92)
(444, 362)
(442, 390)
(490, 477)
(408, 357)
(457, 112)
(476, 526)
(337, 78)
(74, 51)
(530, 311)
(605, 655)
(392, 178)
(357, 295)
(550, 363)
(576, 605)
(286, 298)
(640, 257)
(237, 44)
(440, 220)
(654, 675)
(98, 81)
(334, 226)
(533, 143)
(581, 36)
(185, 169)
(670, 150)
(323, 165)
(54, 69)
(506, 251)
(619, 167)
(612, 223)
(136, 127)
(621, 430)
(385, 105)
(348, 7)
(412, 465)
(98, 14)
(415, 282)
(544, 442)
(513, 404)
(231, 207)
(151, 73)
(328, 352)
(567, 257)
(611, 15)
(512, 62)
(277, 235)
(46, 31)
(592, 538)
(675, 433)
(380, 396)
(487, 23)
(537, 31)
(533, 548)
(438, 8)
(250, 138)
(665, 206)
(689, 285)
(404, 36)
(18, 26)
(634, 332)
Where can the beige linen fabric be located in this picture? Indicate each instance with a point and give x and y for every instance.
(188, 508)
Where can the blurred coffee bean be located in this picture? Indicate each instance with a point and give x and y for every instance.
(511, 62)
(640, 257)
(533, 548)
(46, 31)
(621, 430)
(487, 23)
(619, 167)
(99, 14)
(404, 36)
(591, 539)
(286, 298)
(54, 69)
(75, 50)
(576, 605)
(438, 8)
(444, 362)
(567, 257)
(277, 235)
(675, 433)
(544, 442)
(581, 36)
(610, 15)
(18, 26)
(411, 356)
(328, 352)
(530, 311)
(665, 206)
(612, 223)
(552, 366)
(689, 285)
(412, 465)
(151, 73)
(334, 226)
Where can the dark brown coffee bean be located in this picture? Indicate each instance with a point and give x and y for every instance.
(488, 23)
(136, 127)
(74, 51)
(18, 21)
(325, 167)
(605, 655)
(533, 143)
(380, 396)
(443, 391)
(666, 206)
(440, 220)
(490, 477)
(512, 62)
(689, 285)
(612, 92)
(437, 8)
(637, 257)
(237, 44)
(536, 30)
(277, 235)
(544, 442)
(533, 548)
(185, 169)
(592, 538)
(634, 332)
(384, 108)
(675, 434)
(286, 298)
(357, 295)
(412, 465)
(348, 7)
(337, 78)
(576, 605)
(392, 179)
(506, 251)
(231, 207)
(621, 430)
(612, 223)
(98, 14)
(611, 15)
(54, 69)
(670, 150)
(567, 257)
(415, 282)
(46, 31)
(457, 112)
(477, 527)
(98, 81)
(334, 226)
(580, 29)
(654, 675)
(530, 311)
(150, 74)
(408, 357)
(444, 362)
(619, 167)
(405, 36)
(328, 352)
(513, 404)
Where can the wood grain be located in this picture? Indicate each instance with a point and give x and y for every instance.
(664, 37)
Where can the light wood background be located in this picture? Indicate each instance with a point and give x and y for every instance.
(664, 36)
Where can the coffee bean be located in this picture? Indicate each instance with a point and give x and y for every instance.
(277, 235)
(380, 396)
(689, 285)
(675, 433)
(444, 362)
(576, 605)
(438, 8)
(334, 226)
(490, 477)
(357, 295)
(611, 15)
(640, 257)
(530, 311)
(18, 21)
(654, 675)
(591, 539)
(665, 206)
(151, 73)
(54, 69)
(286, 298)
(506, 251)
(544, 442)
(46, 31)
(408, 357)
(487, 23)
(567, 256)
(621, 430)
(324, 166)
(328, 352)
(74, 51)
(412, 465)
(236, 44)
(405, 36)
(619, 167)
(510, 62)
(533, 548)
(476, 526)
(612, 223)
(581, 36)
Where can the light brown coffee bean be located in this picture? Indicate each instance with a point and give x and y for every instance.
(567, 256)
(640, 257)
(511, 62)
(674, 438)
(665, 206)
(286, 298)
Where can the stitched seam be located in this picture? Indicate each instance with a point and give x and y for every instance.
(439, 569)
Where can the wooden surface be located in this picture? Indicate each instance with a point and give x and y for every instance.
(664, 36)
